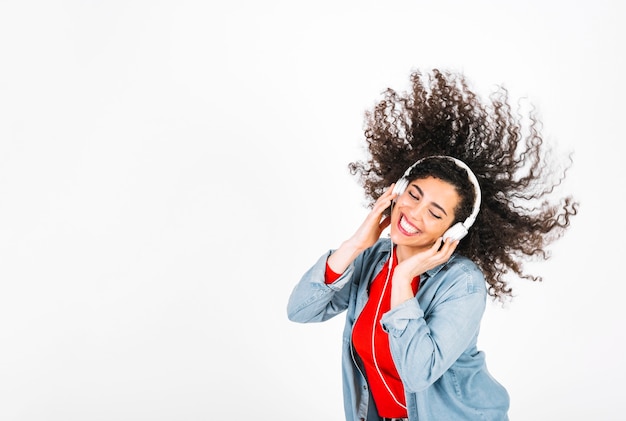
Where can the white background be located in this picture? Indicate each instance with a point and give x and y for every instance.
(169, 169)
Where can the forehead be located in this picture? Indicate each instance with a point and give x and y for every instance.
(436, 190)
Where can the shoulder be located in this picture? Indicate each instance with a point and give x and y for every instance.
(382, 245)
(459, 275)
(373, 258)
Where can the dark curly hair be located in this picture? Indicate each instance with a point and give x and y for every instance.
(441, 115)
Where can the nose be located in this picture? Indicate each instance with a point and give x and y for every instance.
(417, 211)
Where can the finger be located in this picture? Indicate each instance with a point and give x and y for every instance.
(437, 245)
(385, 200)
(390, 191)
(448, 247)
(387, 194)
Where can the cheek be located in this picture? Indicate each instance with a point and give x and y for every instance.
(437, 227)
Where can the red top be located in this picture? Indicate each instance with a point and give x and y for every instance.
(382, 375)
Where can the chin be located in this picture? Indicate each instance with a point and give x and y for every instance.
(398, 238)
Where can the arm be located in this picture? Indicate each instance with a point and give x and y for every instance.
(312, 300)
(365, 236)
(425, 346)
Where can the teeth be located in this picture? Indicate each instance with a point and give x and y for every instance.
(406, 226)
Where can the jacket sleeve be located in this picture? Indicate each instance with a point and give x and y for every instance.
(312, 300)
(425, 346)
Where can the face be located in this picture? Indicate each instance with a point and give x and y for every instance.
(422, 214)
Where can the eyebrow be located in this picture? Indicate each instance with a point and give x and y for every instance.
(435, 204)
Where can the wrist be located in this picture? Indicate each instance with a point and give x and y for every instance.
(401, 290)
(353, 247)
(401, 279)
(342, 257)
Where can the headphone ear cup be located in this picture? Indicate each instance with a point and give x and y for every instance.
(400, 186)
(455, 232)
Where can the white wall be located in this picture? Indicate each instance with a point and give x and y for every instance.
(169, 169)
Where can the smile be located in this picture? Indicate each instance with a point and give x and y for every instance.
(406, 227)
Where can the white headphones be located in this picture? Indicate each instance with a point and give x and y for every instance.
(460, 229)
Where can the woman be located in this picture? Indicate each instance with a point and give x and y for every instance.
(472, 205)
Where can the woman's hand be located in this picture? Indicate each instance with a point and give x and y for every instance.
(366, 235)
(417, 264)
(374, 224)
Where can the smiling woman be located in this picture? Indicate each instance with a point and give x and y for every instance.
(475, 201)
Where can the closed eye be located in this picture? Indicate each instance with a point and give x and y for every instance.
(417, 194)
(435, 215)
(418, 198)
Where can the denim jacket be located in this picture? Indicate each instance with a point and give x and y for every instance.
(432, 338)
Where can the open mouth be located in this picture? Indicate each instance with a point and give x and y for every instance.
(406, 227)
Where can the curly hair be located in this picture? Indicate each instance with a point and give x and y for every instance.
(441, 115)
